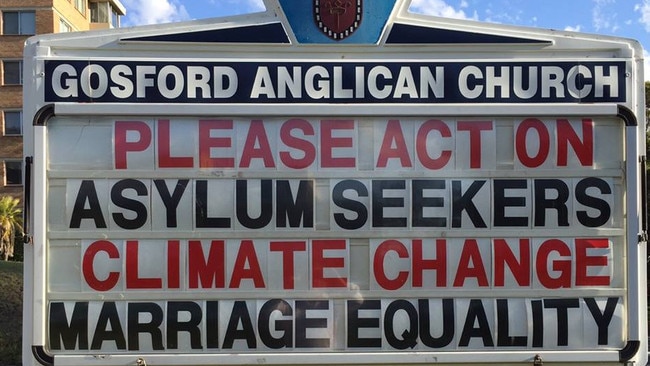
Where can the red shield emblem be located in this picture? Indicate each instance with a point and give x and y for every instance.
(338, 19)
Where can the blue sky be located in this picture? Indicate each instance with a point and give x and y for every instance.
(621, 18)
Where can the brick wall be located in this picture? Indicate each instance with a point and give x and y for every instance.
(11, 147)
(11, 96)
(48, 15)
(25, 3)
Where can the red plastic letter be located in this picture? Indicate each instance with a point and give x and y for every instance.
(89, 262)
(123, 146)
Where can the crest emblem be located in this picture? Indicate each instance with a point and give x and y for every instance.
(338, 19)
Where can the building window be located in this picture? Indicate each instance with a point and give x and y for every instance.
(13, 72)
(13, 172)
(115, 19)
(98, 13)
(103, 12)
(18, 22)
(13, 123)
(64, 27)
(81, 6)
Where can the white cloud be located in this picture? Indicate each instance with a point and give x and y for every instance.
(571, 28)
(233, 7)
(505, 15)
(644, 9)
(604, 17)
(440, 8)
(142, 12)
(255, 5)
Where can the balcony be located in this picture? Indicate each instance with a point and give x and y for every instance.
(105, 14)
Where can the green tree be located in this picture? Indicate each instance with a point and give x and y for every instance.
(647, 116)
(647, 100)
(10, 225)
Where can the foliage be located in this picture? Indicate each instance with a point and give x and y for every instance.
(647, 118)
(10, 225)
(19, 252)
(647, 100)
(11, 300)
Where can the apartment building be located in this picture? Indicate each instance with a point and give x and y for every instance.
(21, 19)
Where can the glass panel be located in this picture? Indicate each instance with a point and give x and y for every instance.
(12, 73)
(81, 6)
(10, 22)
(103, 13)
(93, 13)
(64, 27)
(115, 21)
(13, 123)
(100, 12)
(27, 22)
(13, 172)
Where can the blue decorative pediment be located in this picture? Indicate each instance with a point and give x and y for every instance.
(412, 34)
(263, 33)
(369, 22)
